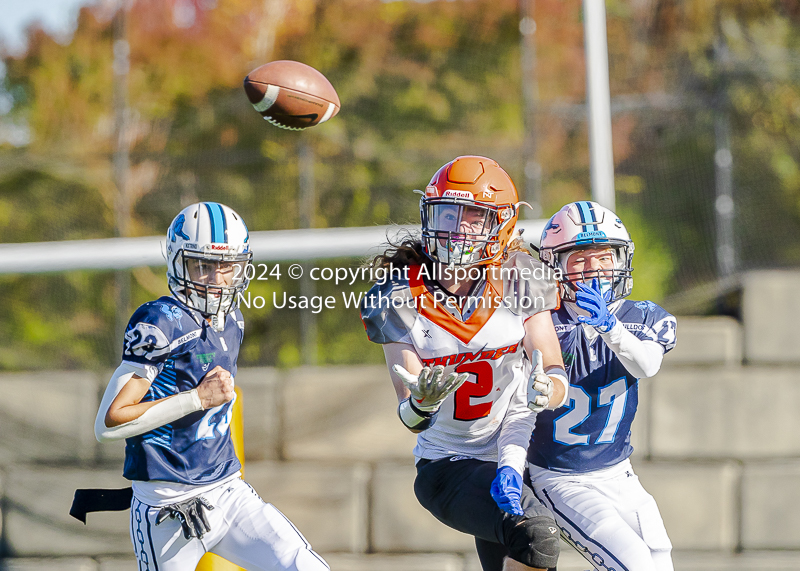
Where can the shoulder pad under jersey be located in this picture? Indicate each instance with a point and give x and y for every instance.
(649, 321)
(388, 312)
(156, 330)
(528, 285)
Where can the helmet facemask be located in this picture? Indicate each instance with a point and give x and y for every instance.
(210, 281)
(615, 283)
(460, 232)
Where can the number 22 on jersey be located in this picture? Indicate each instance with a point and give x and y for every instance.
(614, 396)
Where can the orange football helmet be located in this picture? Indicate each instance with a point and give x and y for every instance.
(469, 211)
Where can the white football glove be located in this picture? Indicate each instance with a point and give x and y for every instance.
(430, 387)
(540, 386)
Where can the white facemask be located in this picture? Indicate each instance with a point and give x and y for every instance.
(606, 287)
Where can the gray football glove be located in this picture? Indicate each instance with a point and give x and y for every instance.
(430, 387)
(540, 386)
(191, 514)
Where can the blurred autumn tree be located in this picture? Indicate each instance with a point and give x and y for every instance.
(726, 62)
(420, 84)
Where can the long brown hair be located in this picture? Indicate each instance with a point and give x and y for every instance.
(405, 250)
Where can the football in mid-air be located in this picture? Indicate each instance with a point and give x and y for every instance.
(291, 95)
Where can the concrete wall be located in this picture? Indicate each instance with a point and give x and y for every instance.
(717, 442)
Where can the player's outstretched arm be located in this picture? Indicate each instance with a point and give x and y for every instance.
(404, 355)
(420, 390)
(123, 415)
(548, 387)
(512, 450)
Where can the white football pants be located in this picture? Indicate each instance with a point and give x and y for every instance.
(607, 516)
(244, 530)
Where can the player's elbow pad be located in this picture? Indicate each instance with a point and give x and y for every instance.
(651, 369)
(647, 359)
(414, 419)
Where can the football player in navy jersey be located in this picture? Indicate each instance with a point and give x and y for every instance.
(171, 400)
(578, 459)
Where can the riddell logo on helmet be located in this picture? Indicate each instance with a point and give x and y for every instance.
(220, 247)
(459, 194)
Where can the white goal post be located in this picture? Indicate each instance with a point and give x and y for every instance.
(277, 245)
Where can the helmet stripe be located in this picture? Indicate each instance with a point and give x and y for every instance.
(587, 215)
(218, 225)
(224, 223)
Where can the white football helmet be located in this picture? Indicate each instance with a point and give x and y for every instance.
(207, 257)
(582, 225)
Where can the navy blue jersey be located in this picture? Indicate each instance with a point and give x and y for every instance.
(594, 432)
(183, 347)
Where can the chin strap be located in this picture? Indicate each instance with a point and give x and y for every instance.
(218, 320)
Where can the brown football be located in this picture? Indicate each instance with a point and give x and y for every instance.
(291, 95)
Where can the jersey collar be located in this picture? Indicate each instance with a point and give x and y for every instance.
(463, 330)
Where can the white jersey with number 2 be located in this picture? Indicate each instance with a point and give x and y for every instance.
(483, 337)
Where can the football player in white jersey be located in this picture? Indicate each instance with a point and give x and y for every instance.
(578, 459)
(467, 354)
(171, 399)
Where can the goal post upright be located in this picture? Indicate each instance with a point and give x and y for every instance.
(598, 103)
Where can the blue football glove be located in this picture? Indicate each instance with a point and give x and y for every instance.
(591, 299)
(506, 490)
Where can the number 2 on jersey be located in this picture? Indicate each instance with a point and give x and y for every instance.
(614, 395)
(463, 409)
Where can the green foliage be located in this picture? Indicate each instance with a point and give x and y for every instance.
(420, 83)
(56, 321)
(652, 261)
